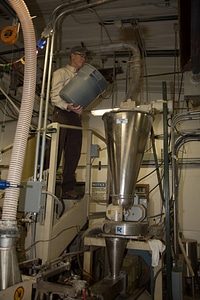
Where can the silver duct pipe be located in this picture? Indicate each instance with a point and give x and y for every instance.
(8, 224)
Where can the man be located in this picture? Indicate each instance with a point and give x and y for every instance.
(66, 113)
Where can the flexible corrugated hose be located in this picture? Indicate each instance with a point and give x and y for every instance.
(20, 141)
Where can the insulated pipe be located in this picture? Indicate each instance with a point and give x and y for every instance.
(20, 141)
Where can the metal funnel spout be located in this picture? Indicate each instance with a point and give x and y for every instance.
(115, 249)
(9, 269)
(126, 133)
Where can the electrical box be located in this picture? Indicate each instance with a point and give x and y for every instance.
(31, 198)
(139, 209)
(94, 150)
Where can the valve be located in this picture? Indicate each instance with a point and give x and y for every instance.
(5, 184)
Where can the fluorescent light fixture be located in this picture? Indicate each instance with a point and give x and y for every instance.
(100, 112)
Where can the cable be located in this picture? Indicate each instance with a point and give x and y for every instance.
(59, 201)
(154, 282)
(54, 237)
(149, 173)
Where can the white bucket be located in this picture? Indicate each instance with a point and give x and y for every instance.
(85, 87)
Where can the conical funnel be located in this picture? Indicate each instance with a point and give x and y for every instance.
(115, 249)
(126, 133)
(9, 268)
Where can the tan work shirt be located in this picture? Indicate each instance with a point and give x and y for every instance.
(60, 78)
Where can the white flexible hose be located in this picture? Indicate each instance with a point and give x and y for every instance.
(20, 141)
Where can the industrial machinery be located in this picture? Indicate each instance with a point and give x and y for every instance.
(54, 233)
(57, 267)
(126, 134)
(125, 226)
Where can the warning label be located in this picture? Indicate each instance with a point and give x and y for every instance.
(99, 190)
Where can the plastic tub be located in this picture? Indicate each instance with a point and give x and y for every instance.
(85, 87)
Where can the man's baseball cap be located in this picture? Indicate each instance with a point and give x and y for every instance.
(79, 49)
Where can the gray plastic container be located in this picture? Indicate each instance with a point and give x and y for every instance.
(85, 87)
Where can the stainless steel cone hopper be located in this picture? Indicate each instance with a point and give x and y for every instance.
(115, 248)
(9, 269)
(126, 135)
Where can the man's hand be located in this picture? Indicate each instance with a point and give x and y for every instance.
(76, 109)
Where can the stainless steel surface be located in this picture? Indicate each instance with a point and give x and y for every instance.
(108, 288)
(126, 228)
(115, 249)
(9, 270)
(126, 133)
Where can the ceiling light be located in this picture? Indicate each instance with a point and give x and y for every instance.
(100, 112)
